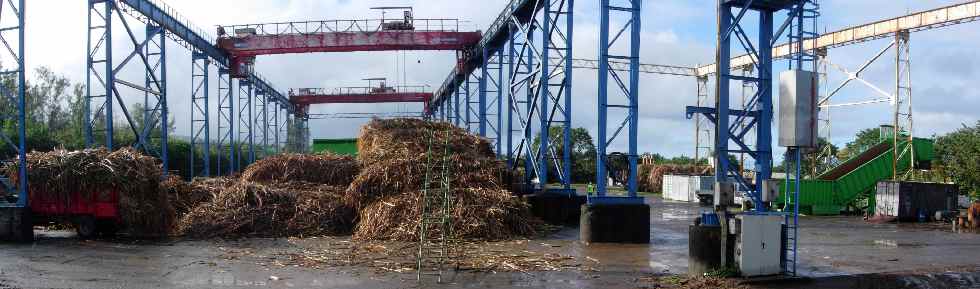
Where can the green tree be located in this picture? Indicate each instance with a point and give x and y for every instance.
(862, 141)
(815, 161)
(583, 153)
(959, 155)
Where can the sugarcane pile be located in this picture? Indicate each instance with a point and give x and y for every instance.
(385, 139)
(327, 169)
(185, 196)
(144, 207)
(257, 210)
(394, 154)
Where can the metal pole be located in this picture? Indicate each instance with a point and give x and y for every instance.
(110, 77)
(722, 70)
(603, 85)
(22, 197)
(763, 144)
(511, 105)
(634, 95)
(567, 140)
(251, 127)
(529, 105)
(500, 101)
(456, 106)
(482, 98)
(468, 108)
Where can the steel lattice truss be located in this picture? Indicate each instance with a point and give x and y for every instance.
(103, 83)
(107, 92)
(260, 131)
(491, 90)
(546, 86)
(226, 122)
(200, 128)
(246, 144)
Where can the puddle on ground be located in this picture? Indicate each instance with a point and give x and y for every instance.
(894, 244)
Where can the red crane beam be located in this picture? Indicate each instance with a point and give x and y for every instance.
(306, 99)
(303, 100)
(254, 45)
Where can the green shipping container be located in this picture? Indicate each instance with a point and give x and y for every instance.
(346, 146)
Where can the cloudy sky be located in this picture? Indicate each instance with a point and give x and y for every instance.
(676, 32)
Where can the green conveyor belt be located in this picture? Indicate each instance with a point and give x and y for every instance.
(855, 178)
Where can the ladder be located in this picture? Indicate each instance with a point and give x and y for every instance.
(435, 220)
(791, 208)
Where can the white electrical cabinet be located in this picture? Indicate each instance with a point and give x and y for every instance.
(759, 247)
(798, 108)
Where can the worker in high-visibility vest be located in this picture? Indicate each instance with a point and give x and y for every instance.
(590, 189)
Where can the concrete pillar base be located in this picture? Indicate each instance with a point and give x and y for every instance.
(615, 223)
(556, 208)
(16, 225)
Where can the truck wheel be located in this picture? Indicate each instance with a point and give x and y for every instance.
(86, 227)
(106, 228)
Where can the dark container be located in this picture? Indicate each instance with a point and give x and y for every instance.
(908, 201)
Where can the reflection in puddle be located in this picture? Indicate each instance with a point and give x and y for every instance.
(891, 244)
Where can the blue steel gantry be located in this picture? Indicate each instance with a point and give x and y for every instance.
(733, 126)
(106, 91)
(536, 93)
(12, 37)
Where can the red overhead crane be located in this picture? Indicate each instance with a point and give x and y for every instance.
(244, 42)
(304, 97)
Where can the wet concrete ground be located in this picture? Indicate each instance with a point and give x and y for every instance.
(829, 246)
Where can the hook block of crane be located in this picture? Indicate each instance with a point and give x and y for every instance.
(244, 42)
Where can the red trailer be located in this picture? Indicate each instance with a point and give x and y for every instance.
(92, 213)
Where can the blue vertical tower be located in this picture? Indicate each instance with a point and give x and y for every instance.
(625, 96)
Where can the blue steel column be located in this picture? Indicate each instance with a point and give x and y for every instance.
(226, 120)
(200, 112)
(511, 104)
(156, 77)
(631, 93)
(634, 96)
(467, 108)
(482, 98)
(500, 101)
(456, 115)
(103, 110)
(567, 140)
(763, 161)
(722, 87)
(544, 110)
(556, 84)
(262, 121)
(275, 122)
(245, 122)
(529, 168)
